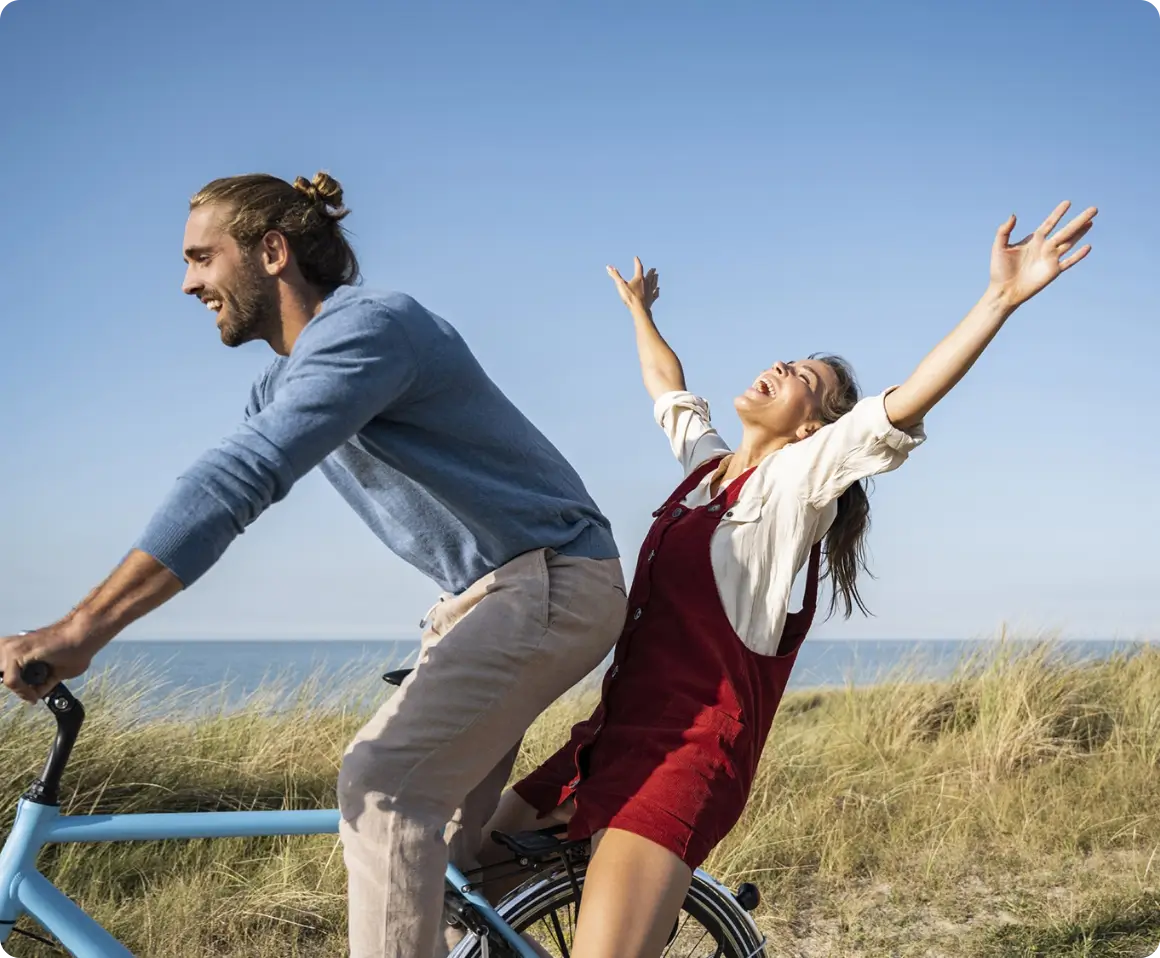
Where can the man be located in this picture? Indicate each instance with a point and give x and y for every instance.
(388, 401)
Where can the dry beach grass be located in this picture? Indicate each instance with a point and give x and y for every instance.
(1013, 809)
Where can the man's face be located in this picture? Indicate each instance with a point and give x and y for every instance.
(229, 280)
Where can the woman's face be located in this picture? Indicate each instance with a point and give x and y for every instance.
(786, 399)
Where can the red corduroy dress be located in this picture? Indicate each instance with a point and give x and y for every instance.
(672, 749)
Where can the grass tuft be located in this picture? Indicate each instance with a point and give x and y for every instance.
(1009, 810)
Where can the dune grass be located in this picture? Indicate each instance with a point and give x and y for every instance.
(1010, 810)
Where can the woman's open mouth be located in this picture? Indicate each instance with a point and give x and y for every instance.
(763, 388)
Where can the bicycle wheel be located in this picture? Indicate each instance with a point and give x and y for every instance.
(711, 925)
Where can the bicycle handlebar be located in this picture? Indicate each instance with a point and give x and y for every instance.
(34, 673)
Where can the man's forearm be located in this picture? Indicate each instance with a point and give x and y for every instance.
(137, 586)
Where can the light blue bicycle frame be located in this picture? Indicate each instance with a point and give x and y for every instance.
(23, 890)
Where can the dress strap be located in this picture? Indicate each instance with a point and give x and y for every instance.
(732, 492)
(810, 599)
(690, 482)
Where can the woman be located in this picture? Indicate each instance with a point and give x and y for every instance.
(662, 770)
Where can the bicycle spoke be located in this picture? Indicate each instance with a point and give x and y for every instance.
(548, 930)
(560, 935)
(696, 949)
(680, 928)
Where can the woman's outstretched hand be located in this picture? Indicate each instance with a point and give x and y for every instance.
(641, 291)
(1020, 270)
(658, 363)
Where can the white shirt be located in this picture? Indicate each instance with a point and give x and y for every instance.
(787, 504)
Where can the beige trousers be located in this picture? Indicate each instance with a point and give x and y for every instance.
(424, 775)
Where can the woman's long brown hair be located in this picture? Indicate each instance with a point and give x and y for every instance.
(845, 546)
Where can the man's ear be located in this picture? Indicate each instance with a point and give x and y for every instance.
(275, 252)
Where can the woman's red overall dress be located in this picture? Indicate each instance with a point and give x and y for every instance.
(672, 749)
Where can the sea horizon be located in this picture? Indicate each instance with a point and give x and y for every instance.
(173, 676)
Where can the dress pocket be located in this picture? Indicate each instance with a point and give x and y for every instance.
(706, 769)
(730, 729)
(711, 727)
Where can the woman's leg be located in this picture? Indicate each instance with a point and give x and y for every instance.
(632, 897)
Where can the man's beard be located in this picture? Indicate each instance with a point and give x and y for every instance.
(252, 311)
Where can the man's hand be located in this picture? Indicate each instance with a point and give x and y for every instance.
(137, 586)
(641, 291)
(63, 647)
(1020, 270)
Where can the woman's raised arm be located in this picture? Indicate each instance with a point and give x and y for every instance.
(1018, 272)
(659, 365)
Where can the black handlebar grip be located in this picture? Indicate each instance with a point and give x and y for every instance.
(34, 673)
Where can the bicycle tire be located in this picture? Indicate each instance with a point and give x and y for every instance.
(708, 902)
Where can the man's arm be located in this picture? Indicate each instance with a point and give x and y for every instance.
(353, 368)
(136, 587)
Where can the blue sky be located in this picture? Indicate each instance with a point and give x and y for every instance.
(805, 175)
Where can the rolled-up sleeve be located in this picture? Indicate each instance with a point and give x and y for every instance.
(684, 417)
(861, 444)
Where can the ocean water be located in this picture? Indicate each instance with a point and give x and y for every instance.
(193, 676)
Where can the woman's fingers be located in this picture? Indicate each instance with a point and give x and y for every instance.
(1075, 257)
(1053, 219)
(1077, 227)
(1003, 234)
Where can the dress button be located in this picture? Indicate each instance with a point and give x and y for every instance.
(638, 613)
(714, 508)
(729, 514)
(677, 512)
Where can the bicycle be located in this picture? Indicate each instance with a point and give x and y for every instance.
(542, 907)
